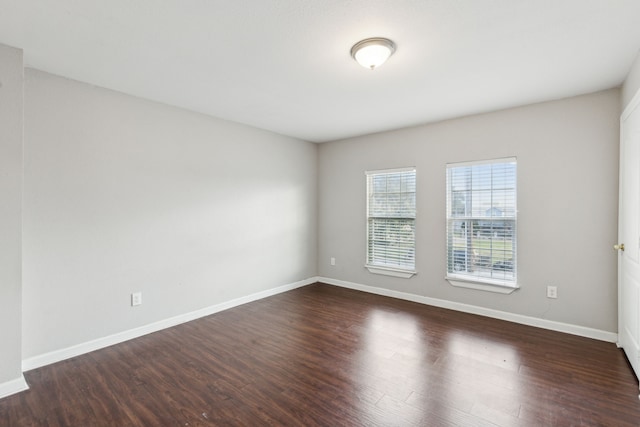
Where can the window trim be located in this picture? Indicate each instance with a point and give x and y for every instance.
(386, 270)
(474, 282)
(482, 285)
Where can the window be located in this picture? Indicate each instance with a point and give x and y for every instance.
(391, 219)
(481, 222)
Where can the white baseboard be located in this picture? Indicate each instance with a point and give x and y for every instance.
(12, 387)
(487, 312)
(77, 350)
(18, 385)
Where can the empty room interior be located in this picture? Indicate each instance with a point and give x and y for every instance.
(336, 213)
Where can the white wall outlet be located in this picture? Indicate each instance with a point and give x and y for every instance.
(552, 292)
(136, 298)
(333, 261)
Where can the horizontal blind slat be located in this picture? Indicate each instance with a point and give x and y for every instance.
(481, 219)
(391, 215)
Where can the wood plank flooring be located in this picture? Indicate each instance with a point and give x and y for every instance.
(326, 356)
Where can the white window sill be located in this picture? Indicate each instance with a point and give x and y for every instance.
(387, 271)
(482, 285)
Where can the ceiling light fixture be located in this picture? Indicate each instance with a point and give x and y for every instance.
(373, 52)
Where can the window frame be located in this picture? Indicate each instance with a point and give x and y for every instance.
(389, 269)
(483, 280)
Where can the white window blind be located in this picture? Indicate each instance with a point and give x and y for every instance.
(481, 221)
(391, 217)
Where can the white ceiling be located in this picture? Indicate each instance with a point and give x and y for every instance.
(284, 65)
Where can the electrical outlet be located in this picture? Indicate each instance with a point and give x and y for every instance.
(552, 292)
(333, 261)
(136, 298)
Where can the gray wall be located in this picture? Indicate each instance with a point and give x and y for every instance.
(632, 82)
(11, 103)
(567, 154)
(124, 195)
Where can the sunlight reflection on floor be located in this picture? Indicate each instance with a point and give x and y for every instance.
(390, 362)
(400, 368)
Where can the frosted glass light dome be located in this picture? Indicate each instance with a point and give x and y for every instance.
(373, 52)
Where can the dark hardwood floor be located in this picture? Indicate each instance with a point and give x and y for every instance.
(322, 355)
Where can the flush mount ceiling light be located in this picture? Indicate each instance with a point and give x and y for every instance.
(373, 52)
